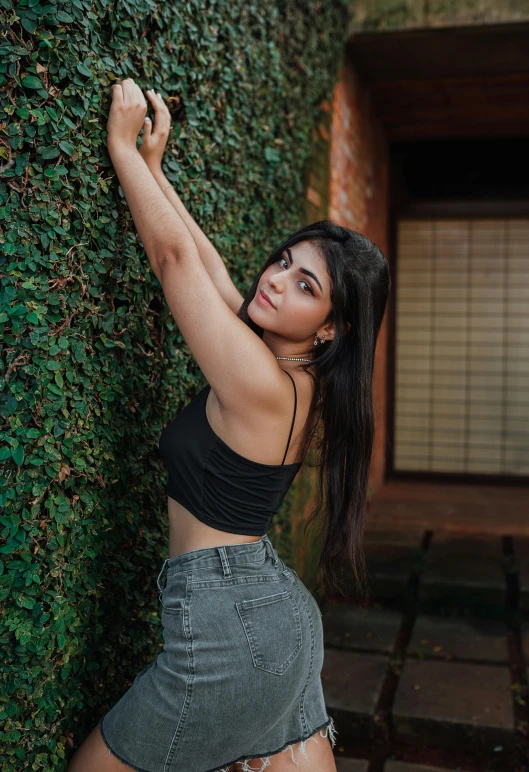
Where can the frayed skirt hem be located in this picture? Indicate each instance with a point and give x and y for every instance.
(120, 758)
(265, 757)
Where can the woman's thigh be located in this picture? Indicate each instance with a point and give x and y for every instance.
(93, 755)
(318, 757)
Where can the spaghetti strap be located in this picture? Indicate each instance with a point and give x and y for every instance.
(293, 417)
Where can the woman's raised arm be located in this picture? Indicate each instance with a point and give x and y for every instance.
(210, 257)
(153, 144)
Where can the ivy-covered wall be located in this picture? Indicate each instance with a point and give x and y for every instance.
(92, 364)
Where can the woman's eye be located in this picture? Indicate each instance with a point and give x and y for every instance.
(307, 292)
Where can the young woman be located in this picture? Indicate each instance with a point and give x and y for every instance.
(237, 686)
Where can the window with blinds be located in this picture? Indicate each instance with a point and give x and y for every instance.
(462, 346)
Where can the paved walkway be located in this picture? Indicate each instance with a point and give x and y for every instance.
(432, 676)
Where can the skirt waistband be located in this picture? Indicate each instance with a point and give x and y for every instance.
(224, 557)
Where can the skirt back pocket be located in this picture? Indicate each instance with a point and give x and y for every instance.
(273, 629)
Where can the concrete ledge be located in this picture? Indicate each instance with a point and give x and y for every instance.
(481, 640)
(352, 627)
(404, 766)
(351, 765)
(391, 558)
(452, 704)
(464, 573)
(351, 686)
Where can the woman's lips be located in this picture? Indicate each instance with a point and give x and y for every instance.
(263, 300)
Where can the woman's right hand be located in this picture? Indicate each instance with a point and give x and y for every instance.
(154, 138)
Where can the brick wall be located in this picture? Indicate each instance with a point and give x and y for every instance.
(358, 199)
(378, 15)
(347, 180)
(306, 546)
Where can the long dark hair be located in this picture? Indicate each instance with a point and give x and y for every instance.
(343, 397)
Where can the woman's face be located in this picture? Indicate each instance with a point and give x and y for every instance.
(299, 287)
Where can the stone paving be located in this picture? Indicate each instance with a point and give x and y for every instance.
(399, 766)
(351, 765)
(453, 703)
(435, 669)
(361, 765)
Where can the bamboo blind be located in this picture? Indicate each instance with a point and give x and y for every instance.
(462, 346)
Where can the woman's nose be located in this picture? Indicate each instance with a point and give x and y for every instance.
(275, 282)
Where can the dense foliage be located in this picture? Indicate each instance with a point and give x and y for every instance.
(92, 364)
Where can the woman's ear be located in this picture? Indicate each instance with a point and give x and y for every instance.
(330, 331)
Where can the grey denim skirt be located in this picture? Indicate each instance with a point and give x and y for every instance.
(239, 675)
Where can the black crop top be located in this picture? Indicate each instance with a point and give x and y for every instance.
(217, 485)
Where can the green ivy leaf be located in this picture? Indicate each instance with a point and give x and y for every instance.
(18, 454)
(84, 70)
(272, 154)
(49, 152)
(30, 81)
(29, 25)
(24, 636)
(55, 389)
(67, 147)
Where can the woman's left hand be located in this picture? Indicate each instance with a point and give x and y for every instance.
(127, 111)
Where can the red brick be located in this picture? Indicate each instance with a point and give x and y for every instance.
(358, 199)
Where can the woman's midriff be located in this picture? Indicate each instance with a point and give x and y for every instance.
(187, 533)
